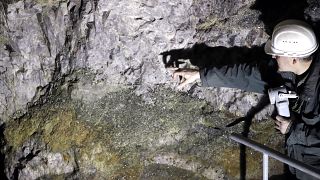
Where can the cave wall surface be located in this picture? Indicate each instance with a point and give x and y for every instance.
(118, 43)
(73, 71)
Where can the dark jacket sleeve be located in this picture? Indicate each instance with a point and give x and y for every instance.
(311, 121)
(305, 134)
(242, 76)
(306, 129)
(311, 110)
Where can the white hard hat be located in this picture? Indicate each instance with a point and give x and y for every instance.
(292, 38)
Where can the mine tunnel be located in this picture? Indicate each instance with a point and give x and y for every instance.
(115, 89)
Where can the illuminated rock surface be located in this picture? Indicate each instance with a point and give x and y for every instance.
(120, 136)
(84, 92)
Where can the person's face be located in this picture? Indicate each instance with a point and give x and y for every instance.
(284, 63)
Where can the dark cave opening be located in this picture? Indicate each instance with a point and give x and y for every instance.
(274, 11)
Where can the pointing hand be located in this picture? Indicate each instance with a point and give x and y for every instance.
(188, 76)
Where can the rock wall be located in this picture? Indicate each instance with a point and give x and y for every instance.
(117, 43)
(89, 49)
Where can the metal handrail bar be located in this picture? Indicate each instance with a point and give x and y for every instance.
(276, 155)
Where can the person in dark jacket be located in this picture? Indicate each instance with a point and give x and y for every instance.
(293, 47)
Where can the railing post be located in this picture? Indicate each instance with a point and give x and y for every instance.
(277, 155)
(265, 166)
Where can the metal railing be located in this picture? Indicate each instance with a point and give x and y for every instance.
(276, 155)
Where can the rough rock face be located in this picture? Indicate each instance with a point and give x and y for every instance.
(92, 49)
(43, 42)
(119, 137)
(117, 42)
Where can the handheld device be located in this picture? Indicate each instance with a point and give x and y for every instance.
(280, 97)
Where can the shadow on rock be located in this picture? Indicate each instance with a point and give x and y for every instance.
(264, 101)
(203, 56)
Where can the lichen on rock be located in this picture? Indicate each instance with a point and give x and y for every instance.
(98, 140)
(84, 92)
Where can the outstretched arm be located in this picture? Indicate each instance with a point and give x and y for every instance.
(242, 76)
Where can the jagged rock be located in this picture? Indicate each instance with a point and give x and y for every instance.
(93, 48)
(118, 42)
(31, 53)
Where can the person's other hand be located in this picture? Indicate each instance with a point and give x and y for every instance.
(188, 76)
(282, 124)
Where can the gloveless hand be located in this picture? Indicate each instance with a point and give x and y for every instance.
(188, 76)
(282, 124)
